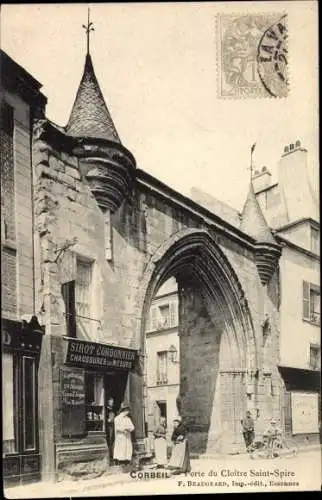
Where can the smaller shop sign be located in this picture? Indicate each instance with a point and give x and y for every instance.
(73, 401)
(98, 356)
(304, 413)
(16, 336)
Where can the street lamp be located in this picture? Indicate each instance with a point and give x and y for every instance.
(173, 354)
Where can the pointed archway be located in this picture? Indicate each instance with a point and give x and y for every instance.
(217, 344)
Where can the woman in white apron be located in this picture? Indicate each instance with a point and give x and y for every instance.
(180, 460)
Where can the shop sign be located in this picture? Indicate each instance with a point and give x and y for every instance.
(304, 412)
(15, 337)
(6, 338)
(94, 355)
(72, 382)
(73, 390)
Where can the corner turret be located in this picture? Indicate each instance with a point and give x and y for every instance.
(106, 164)
(253, 222)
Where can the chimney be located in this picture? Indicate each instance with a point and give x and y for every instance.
(294, 183)
(261, 179)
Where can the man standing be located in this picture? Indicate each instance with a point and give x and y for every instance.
(248, 429)
(109, 427)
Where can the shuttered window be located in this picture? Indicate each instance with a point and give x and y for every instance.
(164, 316)
(153, 318)
(173, 314)
(162, 367)
(306, 300)
(311, 302)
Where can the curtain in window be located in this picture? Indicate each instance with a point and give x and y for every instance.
(82, 294)
(162, 367)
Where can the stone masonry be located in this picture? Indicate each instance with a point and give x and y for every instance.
(153, 234)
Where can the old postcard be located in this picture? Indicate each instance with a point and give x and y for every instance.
(160, 248)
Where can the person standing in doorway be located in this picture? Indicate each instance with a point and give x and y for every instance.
(160, 443)
(109, 427)
(248, 429)
(123, 426)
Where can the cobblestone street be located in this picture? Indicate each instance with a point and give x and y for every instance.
(216, 475)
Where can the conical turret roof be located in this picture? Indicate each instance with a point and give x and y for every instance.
(90, 116)
(253, 221)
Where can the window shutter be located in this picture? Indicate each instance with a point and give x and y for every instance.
(67, 266)
(165, 367)
(158, 366)
(173, 314)
(68, 293)
(306, 300)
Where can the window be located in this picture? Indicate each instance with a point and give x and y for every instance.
(77, 299)
(162, 367)
(315, 240)
(8, 404)
(19, 400)
(82, 293)
(94, 401)
(164, 317)
(68, 293)
(7, 173)
(29, 402)
(315, 357)
(311, 303)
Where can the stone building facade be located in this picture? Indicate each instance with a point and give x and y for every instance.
(162, 359)
(107, 235)
(290, 206)
(21, 103)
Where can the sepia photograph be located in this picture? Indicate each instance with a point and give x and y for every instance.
(160, 248)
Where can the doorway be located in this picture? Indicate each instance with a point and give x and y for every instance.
(115, 385)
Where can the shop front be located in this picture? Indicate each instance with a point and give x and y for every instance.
(302, 405)
(91, 374)
(21, 347)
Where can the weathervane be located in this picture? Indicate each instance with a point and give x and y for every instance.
(88, 29)
(251, 160)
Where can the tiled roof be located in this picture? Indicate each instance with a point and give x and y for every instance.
(90, 116)
(253, 221)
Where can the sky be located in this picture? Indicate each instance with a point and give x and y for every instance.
(157, 68)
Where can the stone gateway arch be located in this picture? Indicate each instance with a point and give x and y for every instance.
(217, 341)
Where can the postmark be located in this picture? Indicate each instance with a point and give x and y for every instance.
(252, 55)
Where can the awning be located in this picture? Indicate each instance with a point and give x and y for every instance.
(300, 379)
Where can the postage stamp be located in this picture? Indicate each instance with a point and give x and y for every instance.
(252, 55)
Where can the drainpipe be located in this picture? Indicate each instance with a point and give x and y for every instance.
(31, 116)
